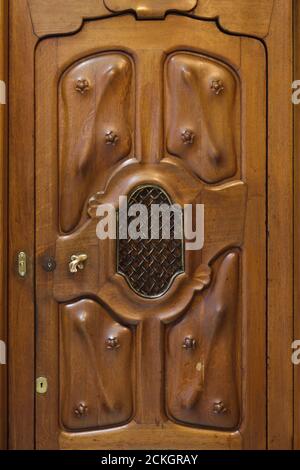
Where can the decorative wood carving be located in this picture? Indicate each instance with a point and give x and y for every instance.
(210, 372)
(150, 8)
(89, 373)
(243, 16)
(85, 157)
(233, 16)
(203, 96)
(147, 162)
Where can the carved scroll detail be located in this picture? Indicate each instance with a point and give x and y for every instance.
(150, 8)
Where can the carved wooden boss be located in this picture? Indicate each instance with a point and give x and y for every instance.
(149, 334)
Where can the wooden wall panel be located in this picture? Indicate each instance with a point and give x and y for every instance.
(3, 225)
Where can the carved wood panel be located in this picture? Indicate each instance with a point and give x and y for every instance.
(203, 101)
(136, 110)
(96, 367)
(93, 141)
(203, 366)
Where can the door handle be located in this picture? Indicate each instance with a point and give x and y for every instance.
(77, 262)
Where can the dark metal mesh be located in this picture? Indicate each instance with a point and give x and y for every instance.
(150, 265)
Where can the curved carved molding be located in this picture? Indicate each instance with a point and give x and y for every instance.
(150, 8)
(234, 16)
(242, 16)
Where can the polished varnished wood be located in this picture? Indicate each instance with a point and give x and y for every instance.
(3, 216)
(203, 379)
(97, 368)
(21, 233)
(196, 96)
(231, 183)
(243, 17)
(149, 9)
(85, 162)
(228, 207)
(280, 215)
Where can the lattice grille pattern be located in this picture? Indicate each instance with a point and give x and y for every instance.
(149, 265)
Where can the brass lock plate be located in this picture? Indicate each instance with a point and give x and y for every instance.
(22, 264)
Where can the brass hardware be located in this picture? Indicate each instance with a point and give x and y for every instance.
(81, 410)
(49, 264)
(77, 262)
(41, 385)
(219, 408)
(189, 343)
(82, 85)
(22, 264)
(187, 137)
(217, 86)
(112, 343)
(111, 138)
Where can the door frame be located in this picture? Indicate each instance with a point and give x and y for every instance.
(271, 22)
(296, 224)
(3, 216)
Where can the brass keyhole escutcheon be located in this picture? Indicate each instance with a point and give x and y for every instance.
(22, 264)
(41, 385)
(77, 262)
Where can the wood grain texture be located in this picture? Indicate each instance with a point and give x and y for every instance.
(280, 227)
(3, 215)
(254, 164)
(244, 17)
(296, 225)
(21, 228)
(166, 436)
(46, 21)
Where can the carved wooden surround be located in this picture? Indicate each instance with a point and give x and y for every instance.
(154, 100)
(232, 16)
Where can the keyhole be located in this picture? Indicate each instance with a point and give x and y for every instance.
(41, 385)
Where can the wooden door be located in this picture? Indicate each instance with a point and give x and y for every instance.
(150, 345)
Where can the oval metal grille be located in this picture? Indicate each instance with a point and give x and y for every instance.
(150, 264)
